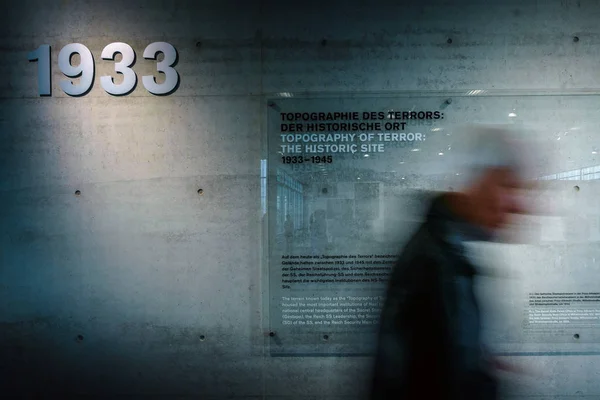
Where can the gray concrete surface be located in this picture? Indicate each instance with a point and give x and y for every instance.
(142, 287)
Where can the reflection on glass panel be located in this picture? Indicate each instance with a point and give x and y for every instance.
(585, 174)
(263, 186)
(290, 211)
(352, 178)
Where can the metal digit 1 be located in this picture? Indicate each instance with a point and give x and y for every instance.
(42, 56)
(121, 67)
(165, 66)
(85, 69)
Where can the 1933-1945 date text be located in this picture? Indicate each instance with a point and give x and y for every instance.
(302, 159)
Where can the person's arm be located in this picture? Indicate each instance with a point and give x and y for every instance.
(431, 333)
(414, 353)
(499, 364)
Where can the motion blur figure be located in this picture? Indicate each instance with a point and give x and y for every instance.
(429, 343)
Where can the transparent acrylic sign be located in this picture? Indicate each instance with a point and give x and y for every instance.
(347, 180)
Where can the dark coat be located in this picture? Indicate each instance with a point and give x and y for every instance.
(428, 346)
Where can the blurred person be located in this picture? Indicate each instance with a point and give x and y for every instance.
(429, 344)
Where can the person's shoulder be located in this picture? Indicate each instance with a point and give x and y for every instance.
(422, 265)
(420, 247)
(419, 258)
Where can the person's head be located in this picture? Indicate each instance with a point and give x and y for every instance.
(493, 197)
(495, 173)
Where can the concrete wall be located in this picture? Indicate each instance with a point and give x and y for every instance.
(141, 286)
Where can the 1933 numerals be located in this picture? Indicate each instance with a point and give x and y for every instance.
(86, 69)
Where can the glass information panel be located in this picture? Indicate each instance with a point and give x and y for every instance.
(346, 181)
